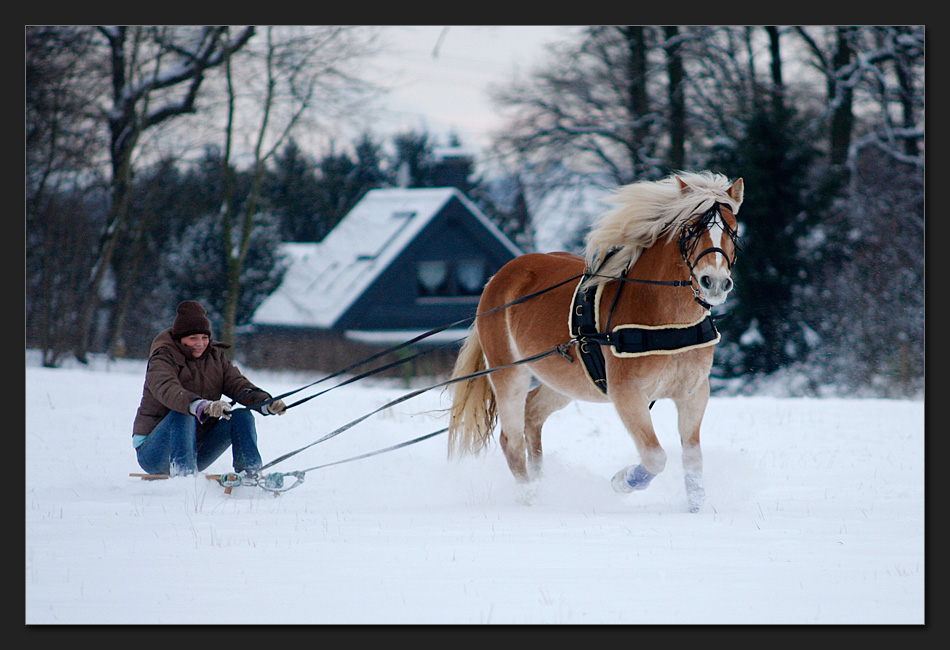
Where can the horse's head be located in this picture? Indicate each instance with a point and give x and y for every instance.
(708, 243)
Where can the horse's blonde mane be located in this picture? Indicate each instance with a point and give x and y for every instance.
(648, 210)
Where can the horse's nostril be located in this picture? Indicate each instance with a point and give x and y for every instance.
(727, 284)
(705, 281)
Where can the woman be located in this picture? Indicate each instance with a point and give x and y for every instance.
(182, 424)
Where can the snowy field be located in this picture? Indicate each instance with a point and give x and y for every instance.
(814, 515)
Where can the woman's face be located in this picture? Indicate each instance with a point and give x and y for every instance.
(197, 343)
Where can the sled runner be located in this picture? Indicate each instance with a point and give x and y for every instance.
(270, 482)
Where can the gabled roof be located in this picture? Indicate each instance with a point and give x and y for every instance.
(324, 279)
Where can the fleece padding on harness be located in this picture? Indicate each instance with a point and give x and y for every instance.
(642, 340)
(628, 340)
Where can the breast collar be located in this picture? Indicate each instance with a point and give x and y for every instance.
(627, 340)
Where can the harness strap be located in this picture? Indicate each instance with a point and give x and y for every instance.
(585, 329)
(641, 340)
(626, 340)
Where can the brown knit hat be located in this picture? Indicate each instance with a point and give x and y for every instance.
(190, 320)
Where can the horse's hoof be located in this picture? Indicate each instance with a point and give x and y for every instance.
(632, 478)
(695, 493)
(528, 494)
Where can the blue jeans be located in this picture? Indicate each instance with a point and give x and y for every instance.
(173, 447)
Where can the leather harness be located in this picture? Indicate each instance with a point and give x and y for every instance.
(627, 340)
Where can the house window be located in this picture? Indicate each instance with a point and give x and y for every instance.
(433, 278)
(471, 277)
(446, 279)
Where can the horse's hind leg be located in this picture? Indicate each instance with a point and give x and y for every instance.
(511, 391)
(542, 402)
(690, 412)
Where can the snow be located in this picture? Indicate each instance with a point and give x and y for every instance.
(814, 515)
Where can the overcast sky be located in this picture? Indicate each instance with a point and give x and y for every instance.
(439, 76)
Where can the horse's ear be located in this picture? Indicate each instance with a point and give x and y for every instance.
(737, 190)
(682, 184)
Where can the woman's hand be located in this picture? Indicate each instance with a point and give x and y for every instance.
(277, 407)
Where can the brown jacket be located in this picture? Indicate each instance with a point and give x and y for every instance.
(174, 380)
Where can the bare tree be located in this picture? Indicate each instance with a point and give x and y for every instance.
(156, 73)
(837, 65)
(676, 93)
(893, 61)
(60, 93)
(62, 184)
(868, 66)
(591, 107)
(295, 71)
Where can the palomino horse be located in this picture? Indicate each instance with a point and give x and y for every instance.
(654, 265)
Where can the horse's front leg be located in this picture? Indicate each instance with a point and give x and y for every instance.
(634, 411)
(690, 410)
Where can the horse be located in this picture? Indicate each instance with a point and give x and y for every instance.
(654, 264)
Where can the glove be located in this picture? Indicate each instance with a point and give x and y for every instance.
(277, 407)
(217, 409)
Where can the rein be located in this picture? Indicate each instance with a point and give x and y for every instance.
(560, 349)
(400, 346)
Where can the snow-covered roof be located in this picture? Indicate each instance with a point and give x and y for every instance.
(324, 279)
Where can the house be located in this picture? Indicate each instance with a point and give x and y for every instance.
(402, 262)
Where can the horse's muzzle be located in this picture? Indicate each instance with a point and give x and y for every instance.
(714, 287)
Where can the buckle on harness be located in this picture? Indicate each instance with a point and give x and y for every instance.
(564, 350)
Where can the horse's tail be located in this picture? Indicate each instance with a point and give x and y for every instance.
(473, 415)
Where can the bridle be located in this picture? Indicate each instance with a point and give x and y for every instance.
(692, 232)
(689, 238)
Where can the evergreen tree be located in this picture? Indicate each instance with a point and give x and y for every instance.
(369, 159)
(412, 161)
(774, 218)
(292, 193)
(867, 300)
(344, 180)
(196, 269)
(160, 211)
(338, 193)
(421, 162)
(310, 198)
(193, 261)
